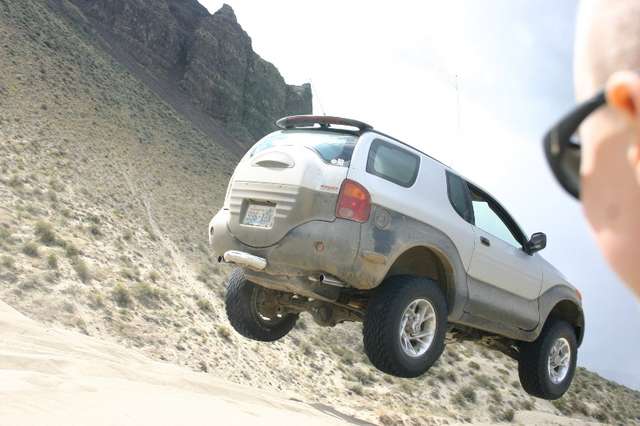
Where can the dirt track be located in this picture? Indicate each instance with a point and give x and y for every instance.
(57, 377)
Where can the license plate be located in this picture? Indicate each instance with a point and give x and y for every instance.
(260, 215)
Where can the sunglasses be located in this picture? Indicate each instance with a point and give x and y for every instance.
(562, 144)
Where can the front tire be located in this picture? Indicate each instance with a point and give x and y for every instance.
(244, 303)
(547, 365)
(405, 326)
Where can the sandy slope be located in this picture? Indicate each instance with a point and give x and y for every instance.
(57, 377)
(51, 377)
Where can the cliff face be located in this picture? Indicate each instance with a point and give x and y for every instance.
(208, 57)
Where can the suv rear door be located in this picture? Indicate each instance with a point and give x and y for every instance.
(288, 178)
(504, 280)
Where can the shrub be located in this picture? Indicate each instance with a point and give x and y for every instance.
(528, 405)
(56, 185)
(131, 274)
(485, 381)
(581, 408)
(29, 283)
(7, 262)
(474, 365)
(465, 395)
(224, 332)
(496, 396)
(154, 276)
(146, 294)
(81, 269)
(94, 230)
(204, 305)
(121, 296)
(5, 235)
(365, 377)
(31, 249)
(44, 231)
(601, 416)
(52, 261)
(507, 415)
(357, 389)
(348, 358)
(562, 405)
(71, 250)
(96, 300)
(302, 325)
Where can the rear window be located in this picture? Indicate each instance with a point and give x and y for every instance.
(393, 163)
(334, 148)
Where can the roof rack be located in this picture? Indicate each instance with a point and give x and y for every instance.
(306, 121)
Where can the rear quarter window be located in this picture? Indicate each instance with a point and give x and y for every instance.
(393, 163)
(459, 196)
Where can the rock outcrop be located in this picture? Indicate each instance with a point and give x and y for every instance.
(208, 57)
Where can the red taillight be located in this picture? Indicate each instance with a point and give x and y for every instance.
(354, 202)
(579, 294)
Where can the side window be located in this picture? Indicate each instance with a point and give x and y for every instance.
(459, 196)
(489, 221)
(393, 163)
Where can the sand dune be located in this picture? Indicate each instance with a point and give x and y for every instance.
(56, 377)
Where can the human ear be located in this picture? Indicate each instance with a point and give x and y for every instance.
(623, 94)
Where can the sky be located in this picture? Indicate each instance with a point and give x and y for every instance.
(476, 85)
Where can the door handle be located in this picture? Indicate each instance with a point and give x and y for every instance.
(485, 241)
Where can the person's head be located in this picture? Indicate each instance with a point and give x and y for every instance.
(608, 42)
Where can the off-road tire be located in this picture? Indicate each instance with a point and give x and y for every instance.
(533, 363)
(381, 329)
(243, 315)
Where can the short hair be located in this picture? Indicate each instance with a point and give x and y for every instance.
(607, 40)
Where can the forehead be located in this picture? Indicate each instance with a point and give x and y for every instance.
(607, 40)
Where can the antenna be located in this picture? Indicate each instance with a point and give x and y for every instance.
(457, 106)
(316, 94)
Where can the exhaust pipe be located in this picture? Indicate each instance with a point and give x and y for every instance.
(245, 259)
(331, 280)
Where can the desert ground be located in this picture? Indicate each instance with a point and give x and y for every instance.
(56, 377)
(105, 196)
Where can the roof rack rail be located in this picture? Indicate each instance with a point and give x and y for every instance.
(324, 121)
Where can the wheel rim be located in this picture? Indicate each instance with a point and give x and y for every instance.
(417, 328)
(268, 319)
(559, 360)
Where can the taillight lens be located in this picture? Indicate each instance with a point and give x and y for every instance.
(354, 202)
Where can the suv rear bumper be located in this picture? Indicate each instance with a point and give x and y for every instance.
(303, 254)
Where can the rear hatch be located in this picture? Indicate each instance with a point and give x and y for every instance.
(288, 178)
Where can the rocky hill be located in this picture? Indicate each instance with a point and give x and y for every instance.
(107, 184)
(195, 58)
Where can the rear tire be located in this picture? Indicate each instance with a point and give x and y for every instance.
(541, 368)
(405, 326)
(243, 311)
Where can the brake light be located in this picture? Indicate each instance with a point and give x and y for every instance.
(579, 294)
(354, 202)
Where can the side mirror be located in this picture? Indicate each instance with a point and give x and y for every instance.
(537, 242)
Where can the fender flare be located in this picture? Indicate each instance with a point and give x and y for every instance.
(407, 234)
(558, 298)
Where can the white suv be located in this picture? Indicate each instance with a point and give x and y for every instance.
(331, 217)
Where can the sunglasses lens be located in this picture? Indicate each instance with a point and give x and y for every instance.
(564, 159)
(570, 167)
